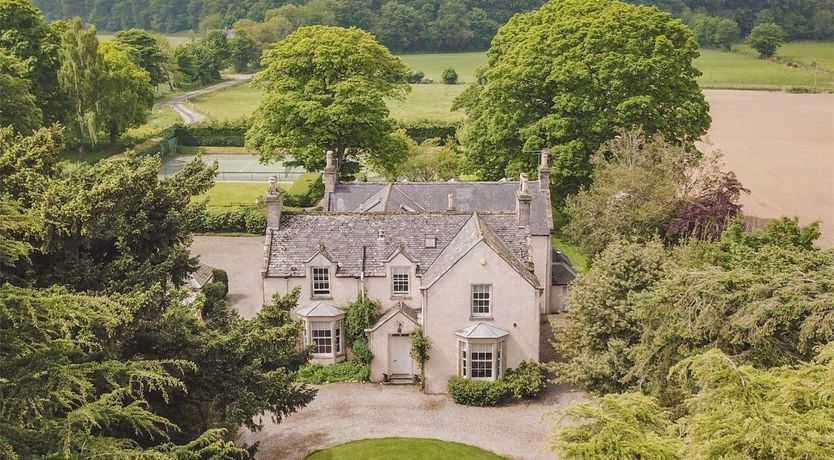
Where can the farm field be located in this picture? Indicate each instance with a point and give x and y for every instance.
(737, 70)
(804, 53)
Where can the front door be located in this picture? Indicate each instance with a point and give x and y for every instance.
(399, 358)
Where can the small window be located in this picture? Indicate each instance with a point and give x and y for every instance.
(380, 234)
(463, 358)
(482, 300)
(400, 280)
(338, 342)
(322, 339)
(431, 241)
(321, 281)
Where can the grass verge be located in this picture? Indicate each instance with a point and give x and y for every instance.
(405, 449)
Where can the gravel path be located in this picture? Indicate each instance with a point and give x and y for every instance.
(241, 257)
(351, 411)
(189, 115)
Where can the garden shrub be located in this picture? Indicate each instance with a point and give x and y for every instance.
(361, 315)
(215, 293)
(220, 276)
(345, 371)
(526, 381)
(477, 392)
(362, 351)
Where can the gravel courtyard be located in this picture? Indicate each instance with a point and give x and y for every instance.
(345, 412)
(241, 257)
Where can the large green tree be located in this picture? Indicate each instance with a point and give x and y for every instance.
(81, 77)
(18, 107)
(572, 74)
(146, 52)
(326, 90)
(126, 92)
(25, 36)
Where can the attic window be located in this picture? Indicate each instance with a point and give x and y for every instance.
(431, 241)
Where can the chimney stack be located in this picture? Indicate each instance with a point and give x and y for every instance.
(544, 172)
(274, 202)
(329, 178)
(450, 206)
(523, 201)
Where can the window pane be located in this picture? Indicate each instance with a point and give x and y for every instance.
(321, 281)
(481, 299)
(400, 280)
(480, 354)
(321, 338)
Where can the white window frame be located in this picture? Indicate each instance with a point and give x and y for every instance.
(320, 291)
(336, 329)
(399, 272)
(497, 350)
(476, 301)
(430, 242)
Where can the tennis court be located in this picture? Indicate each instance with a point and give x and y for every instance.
(236, 168)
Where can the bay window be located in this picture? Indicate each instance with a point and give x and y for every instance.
(324, 330)
(483, 360)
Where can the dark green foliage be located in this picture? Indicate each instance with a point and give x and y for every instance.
(248, 219)
(477, 392)
(713, 32)
(143, 49)
(18, 106)
(220, 276)
(216, 133)
(361, 315)
(214, 302)
(244, 54)
(415, 76)
(361, 351)
(420, 345)
(422, 130)
(766, 38)
(449, 76)
(306, 191)
(345, 371)
(526, 381)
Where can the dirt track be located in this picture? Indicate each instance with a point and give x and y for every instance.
(781, 146)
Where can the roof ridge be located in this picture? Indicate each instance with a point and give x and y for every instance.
(387, 196)
(413, 201)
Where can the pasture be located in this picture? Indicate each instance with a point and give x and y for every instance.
(722, 70)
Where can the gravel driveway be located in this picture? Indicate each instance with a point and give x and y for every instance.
(345, 412)
(241, 257)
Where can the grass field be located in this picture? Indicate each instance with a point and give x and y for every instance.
(738, 70)
(403, 448)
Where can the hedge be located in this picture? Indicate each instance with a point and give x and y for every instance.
(306, 191)
(477, 392)
(220, 276)
(345, 371)
(216, 133)
(248, 219)
(421, 130)
(527, 381)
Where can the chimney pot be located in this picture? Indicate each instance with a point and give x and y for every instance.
(329, 178)
(451, 202)
(274, 203)
(544, 172)
(523, 202)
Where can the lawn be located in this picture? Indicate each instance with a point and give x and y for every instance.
(403, 448)
(225, 195)
(428, 102)
(229, 104)
(432, 65)
(803, 53)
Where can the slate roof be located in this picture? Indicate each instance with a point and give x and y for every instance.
(320, 309)
(473, 232)
(407, 311)
(343, 235)
(433, 196)
(199, 277)
(562, 272)
(482, 331)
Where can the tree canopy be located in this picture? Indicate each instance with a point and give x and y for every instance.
(572, 74)
(325, 90)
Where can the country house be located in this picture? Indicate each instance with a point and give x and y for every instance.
(469, 262)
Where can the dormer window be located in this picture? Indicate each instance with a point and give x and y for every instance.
(400, 280)
(321, 281)
(431, 241)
